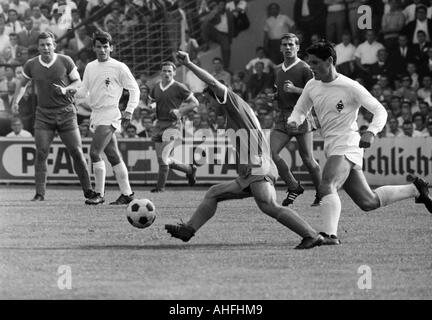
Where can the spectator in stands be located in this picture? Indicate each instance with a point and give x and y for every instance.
(425, 109)
(46, 12)
(345, 55)
(218, 26)
(392, 24)
(220, 122)
(29, 35)
(377, 92)
(421, 23)
(115, 15)
(8, 82)
(80, 41)
(17, 129)
(40, 22)
(219, 73)
(56, 24)
(399, 56)
(310, 17)
(196, 122)
(367, 53)
(12, 22)
(395, 106)
(411, 70)
(406, 91)
(276, 25)
(21, 7)
(190, 45)
(419, 122)
(147, 124)
(267, 121)
(238, 85)
(131, 132)
(393, 128)
(382, 66)
(260, 56)
(410, 11)
(425, 90)
(258, 81)
(335, 22)
(409, 131)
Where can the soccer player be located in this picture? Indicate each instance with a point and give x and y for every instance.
(103, 81)
(257, 171)
(53, 75)
(291, 77)
(337, 100)
(169, 95)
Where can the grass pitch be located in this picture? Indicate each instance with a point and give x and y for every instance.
(240, 254)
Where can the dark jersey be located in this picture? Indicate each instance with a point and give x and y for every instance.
(168, 98)
(45, 76)
(299, 74)
(253, 150)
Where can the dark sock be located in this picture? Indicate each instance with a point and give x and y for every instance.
(162, 176)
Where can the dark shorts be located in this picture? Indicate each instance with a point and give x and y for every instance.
(61, 119)
(161, 126)
(281, 126)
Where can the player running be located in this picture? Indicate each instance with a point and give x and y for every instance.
(103, 81)
(291, 77)
(257, 174)
(337, 100)
(168, 95)
(53, 74)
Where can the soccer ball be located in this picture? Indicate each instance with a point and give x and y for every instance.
(141, 213)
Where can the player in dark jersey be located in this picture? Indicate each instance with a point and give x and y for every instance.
(53, 75)
(169, 95)
(291, 77)
(257, 174)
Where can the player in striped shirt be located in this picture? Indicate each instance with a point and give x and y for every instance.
(337, 100)
(53, 74)
(257, 172)
(103, 82)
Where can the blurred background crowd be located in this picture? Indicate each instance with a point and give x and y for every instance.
(393, 59)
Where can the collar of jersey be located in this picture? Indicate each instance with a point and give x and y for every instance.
(168, 85)
(47, 65)
(285, 69)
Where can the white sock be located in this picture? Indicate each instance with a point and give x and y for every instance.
(390, 194)
(100, 173)
(122, 177)
(330, 213)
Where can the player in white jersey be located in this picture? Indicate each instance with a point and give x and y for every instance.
(103, 81)
(337, 100)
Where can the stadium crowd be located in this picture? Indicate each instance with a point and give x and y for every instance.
(393, 60)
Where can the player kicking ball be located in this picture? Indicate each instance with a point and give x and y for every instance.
(337, 100)
(257, 175)
(103, 81)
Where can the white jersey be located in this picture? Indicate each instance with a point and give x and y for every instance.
(337, 104)
(104, 83)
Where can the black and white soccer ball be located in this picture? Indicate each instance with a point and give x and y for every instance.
(141, 213)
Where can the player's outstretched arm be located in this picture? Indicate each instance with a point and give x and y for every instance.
(301, 109)
(217, 87)
(18, 94)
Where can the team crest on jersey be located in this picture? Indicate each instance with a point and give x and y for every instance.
(340, 106)
(107, 81)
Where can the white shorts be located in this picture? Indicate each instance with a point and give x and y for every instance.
(105, 117)
(345, 146)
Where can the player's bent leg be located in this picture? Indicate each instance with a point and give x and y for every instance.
(43, 140)
(305, 145)
(265, 197)
(206, 209)
(121, 173)
(358, 189)
(335, 173)
(72, 141)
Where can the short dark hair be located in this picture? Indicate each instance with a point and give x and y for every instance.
(103, 37)
(46, 35)
(290, 36)
(169, 63)
(323, 49)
